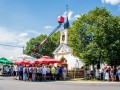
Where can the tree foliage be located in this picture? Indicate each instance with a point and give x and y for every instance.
(95, 36)
(47, 48)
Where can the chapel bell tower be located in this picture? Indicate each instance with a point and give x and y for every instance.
(64, 32)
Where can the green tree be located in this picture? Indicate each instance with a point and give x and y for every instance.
(113, 40)
(95, 36)
(46, 49)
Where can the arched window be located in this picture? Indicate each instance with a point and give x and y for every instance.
(63, 36)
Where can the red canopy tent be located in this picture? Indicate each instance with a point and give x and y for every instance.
(22, 62)
(42, 60)
(47, 60)
(45, 57)
(23, 59)
(34, 62)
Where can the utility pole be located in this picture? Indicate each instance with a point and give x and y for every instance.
(23, 49)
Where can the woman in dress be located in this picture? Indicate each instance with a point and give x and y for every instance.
(107, 75)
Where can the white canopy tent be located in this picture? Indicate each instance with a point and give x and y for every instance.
(23, 57)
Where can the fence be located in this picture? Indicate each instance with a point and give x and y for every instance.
(79, 73)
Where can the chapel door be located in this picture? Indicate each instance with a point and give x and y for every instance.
(64, 62)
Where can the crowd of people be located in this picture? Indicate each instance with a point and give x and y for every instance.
(50, 72)
(108, 73)
(111, 73)
(39, 72)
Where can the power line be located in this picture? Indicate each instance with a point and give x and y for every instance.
(12, 45)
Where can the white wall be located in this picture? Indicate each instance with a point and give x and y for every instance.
(72, 61)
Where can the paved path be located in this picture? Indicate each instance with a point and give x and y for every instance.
(9, 84)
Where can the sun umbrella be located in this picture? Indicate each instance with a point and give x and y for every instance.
(34, 62)
(22, 62)
(5, 61)
(47, 59)
(52, 61)
(25, 57)
(22, 57)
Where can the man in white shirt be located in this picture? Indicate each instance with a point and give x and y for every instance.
(16, 71)
(48, 71)
(44, 71)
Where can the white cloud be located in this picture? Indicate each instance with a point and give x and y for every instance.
(48, 27)
(6, 36)
(12, 38)
(24, 34)
(112, 2)
(8, 52)
(70, 15)
(34, 32)
(77, 16)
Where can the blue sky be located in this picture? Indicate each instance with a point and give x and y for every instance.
(22, 19)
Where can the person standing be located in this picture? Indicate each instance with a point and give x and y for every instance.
(104, 72)
(64, 71)
(20, 72)
(53, 70)
(34, 69)
(48, 73)
(60, 73)
(88, 73)
(16, 68)
(115, 73)
(44, 71)
(57, 72)
(119, 73)
(112, 74)
(24, 73)
(107, 75)
(30, 72)
(14, 74)
(39, 73)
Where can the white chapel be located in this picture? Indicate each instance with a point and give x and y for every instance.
(64, 53)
